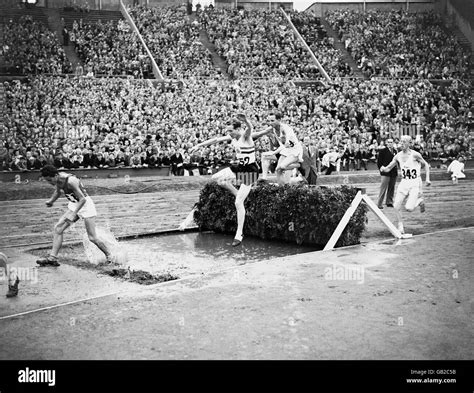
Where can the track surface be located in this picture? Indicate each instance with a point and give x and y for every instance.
(29, 221)
(415, 300)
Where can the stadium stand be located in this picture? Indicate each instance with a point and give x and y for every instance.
(91, 17)
(174, 39)
(258, 43)
(85, 122)
(107, 49)
(30, 48)
(322, 45)
(400, 44)
(119, 116)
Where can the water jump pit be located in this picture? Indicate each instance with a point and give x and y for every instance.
(171, 256)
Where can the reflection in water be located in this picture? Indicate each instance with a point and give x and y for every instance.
(252, 249)
(202, 252)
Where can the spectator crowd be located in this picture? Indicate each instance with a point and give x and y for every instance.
(312, 31)
(400, 44)
(174, 40)
(84, 122)
(253, 43)
(257, 44)
(30, 48)
(99, 123)
(110, 48)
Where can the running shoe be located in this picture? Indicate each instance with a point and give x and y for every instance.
(48, 261)
(110, 260)
(236, 243)
(422, 206)
(13, 288)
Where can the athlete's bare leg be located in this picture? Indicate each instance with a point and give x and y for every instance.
(63, 224)
(94, 238)
(228, 186)
(284, 164)
(399, 198)
(240, 198)
(224, 179)
(12, 277)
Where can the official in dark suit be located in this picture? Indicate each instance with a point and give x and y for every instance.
(309, 165)
(177, 162)
(389, 179)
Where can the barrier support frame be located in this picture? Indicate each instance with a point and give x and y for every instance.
(361, 196)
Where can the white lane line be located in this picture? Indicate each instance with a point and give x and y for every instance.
(58, 305)
(444, 231)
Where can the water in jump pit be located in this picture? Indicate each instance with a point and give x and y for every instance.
(201, 252)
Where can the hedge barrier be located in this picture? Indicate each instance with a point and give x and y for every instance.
(296, 213)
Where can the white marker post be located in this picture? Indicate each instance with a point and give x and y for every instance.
(362, 196)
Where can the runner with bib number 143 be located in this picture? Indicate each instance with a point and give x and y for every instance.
(410, 187)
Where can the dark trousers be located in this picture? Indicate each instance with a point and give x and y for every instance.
(312, 178)
(387, 186)
(329, 169)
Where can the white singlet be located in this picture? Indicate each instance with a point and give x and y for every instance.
(244, 150)
(411, 169)
(411, 174)
(292, 145)
(247, 170)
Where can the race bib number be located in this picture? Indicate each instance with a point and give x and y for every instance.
(244, 160)
(409, 173)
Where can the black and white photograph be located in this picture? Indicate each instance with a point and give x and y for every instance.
(236, 195)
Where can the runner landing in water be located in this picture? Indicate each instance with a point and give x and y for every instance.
(80, 206)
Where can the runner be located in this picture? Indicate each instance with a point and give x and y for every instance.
(290, 150)
(12, 278)
(80, 206)
(246, 171)
(270, 160)
(410, 186)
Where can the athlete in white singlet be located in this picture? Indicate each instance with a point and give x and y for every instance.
(245, 171)
(289, 153)
(80, 206)
(270, 160)
(410, 187)
(245, 154)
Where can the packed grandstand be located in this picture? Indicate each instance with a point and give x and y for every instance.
(392, 73)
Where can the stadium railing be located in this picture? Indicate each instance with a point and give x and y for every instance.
(126, 15)
(22, 177)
